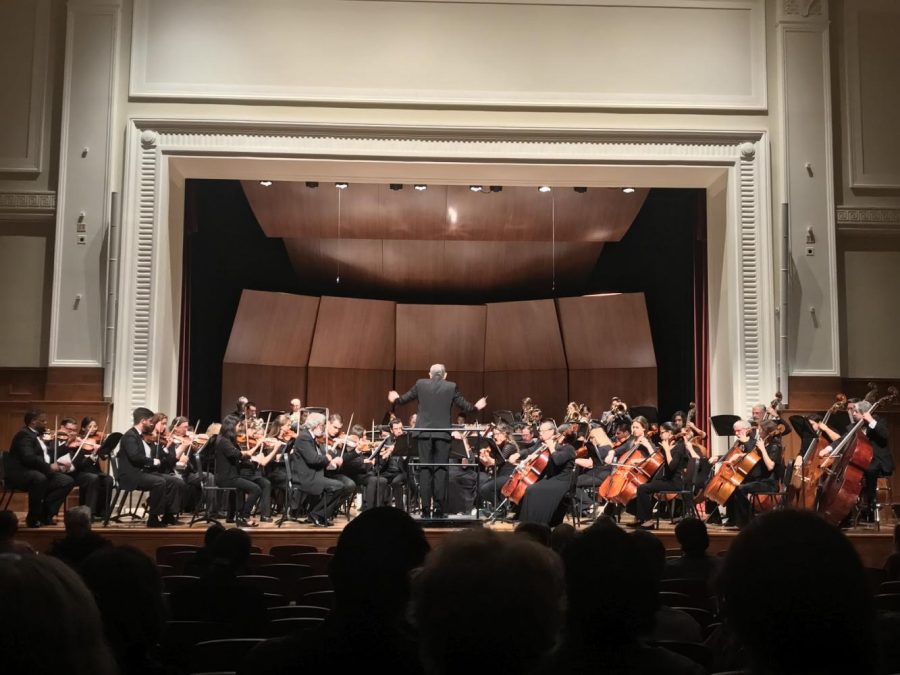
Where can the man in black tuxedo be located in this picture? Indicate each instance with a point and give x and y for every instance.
(308, 464)
(436, 396)
(876, 429)
(30, 467)
(137, 469)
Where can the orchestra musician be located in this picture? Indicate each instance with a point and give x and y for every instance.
(309, 461)
(527, 439)
(256, 453)
(876, 430)
(761, 412)
(275, 471)
(764, 475)
(138, 469)
(511, 454)
(388, 477)
(436, 396)
(669, 477)
(179, 462)
(296, 405)
(94, 485)
(30, 467)
(543, 501)
(228, 456)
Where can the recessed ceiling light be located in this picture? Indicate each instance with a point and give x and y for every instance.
(396, 186)
(496, 188)
(312, 183)
(580, 190)
(475, 188)
(627, 191)
(544, 188)
(341, 186)
(265, 183)
(421, 188)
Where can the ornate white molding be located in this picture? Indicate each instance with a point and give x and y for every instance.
(15, 204)
(793, 10)
(868, 220)
(147, 345)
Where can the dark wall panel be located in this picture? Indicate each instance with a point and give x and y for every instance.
(270, 387)
(360, 392)
(596, 387)
(547, 388)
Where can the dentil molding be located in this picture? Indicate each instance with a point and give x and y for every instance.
(27, 205)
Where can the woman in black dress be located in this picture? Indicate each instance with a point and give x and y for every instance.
(543, 501)
(228, 459)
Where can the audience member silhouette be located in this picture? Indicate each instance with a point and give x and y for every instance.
(611, 603)
(198, 564)
(892, 564)
(537, 532)
(795, 592)
(561, 536)
(80, 541)
(128, 591)
(50, 623)
(509, 579)
(669, 623)
(370, 574)
(9, 528)
(220, 595)
(695, 562)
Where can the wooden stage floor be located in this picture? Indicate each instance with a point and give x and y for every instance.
(873, 546)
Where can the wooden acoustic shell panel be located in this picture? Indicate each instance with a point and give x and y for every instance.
(609, 349)
(268, 349)
(351, 366)
(524, 356)
(448, 334)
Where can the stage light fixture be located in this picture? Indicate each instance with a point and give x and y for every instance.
(265, 183)
(496, 188)
(312, 183)
(421, 188)
(580, 190)
(342, 186)
(475, 188)
(627, 191)
(544, 188)
(396, 186)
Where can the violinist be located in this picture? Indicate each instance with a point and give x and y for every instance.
(275, 470)
(94, 485)
(352, 464)
(138, 469)
(309, 461)
(390, 472)
(543, 501)
(876, 430)
(256, 452)
(764, 475)
(669, 477)
(180, 462)
(228, 459)
(465, 475)
(30, 467)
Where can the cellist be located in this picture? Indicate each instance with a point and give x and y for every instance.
(745, 441)
(765, 474)
(876, 430)
(669, 477)
(542, 501)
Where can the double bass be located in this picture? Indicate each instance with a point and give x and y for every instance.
(808, 469)
(852, 454)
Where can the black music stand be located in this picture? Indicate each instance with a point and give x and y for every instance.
(723, 425)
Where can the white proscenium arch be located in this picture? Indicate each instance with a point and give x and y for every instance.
(162, 154)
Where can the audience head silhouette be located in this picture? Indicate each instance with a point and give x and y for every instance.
(692, 536)
(792, 586)
(373, 559)
(49, 623)
(518, 579)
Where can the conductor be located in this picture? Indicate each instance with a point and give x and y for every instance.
(436, 396)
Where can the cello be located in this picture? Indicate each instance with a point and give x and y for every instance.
(529, 470)
(852, 455)
(808, 468)
(736, 465)
(633, 470)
